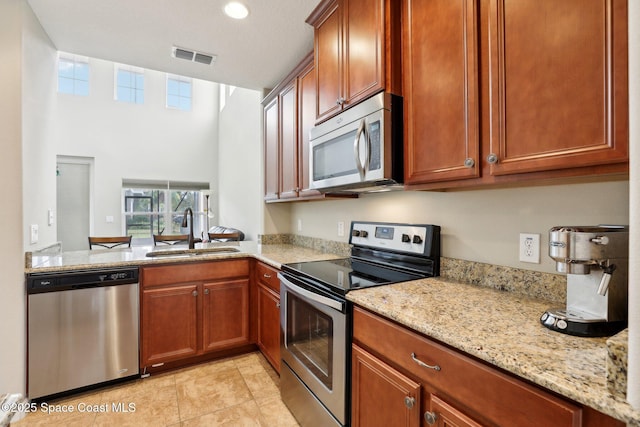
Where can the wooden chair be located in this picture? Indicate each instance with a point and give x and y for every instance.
(109, 242)
(224, 237)
(169, 239)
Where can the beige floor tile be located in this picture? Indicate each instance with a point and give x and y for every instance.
(239, 391)
(246, 414)
(275, 413)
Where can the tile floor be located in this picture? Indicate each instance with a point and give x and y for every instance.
(239, 391)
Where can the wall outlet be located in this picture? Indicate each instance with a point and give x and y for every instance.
(299, 225)
(34, 234)
(109, 219)
(530, 248)
(340, 228)
(50, 218)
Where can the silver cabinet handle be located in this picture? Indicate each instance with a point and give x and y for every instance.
(206, 291)
(194, 293)
(469, 162)
(492, 159)
(340, 101)
(430, 417)
(409, 401)
(266, 276)
(424, 365)
(278, 304)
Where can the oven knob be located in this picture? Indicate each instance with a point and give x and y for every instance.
(355, 233)
(417, 239)
(364, 234)
(405, 238)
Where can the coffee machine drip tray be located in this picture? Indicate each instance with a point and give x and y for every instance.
(578, 323)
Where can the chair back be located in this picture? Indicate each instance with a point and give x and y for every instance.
(109, 242)
(224, 237)
(170, 239)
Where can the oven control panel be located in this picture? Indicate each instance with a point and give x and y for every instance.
(417, 239)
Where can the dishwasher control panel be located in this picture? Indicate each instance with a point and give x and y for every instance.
(66, 280)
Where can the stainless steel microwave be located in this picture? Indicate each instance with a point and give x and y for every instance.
(360, 149)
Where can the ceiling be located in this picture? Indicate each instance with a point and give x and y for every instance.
(254, 53)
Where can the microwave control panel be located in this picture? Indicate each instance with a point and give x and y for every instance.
(416, 239)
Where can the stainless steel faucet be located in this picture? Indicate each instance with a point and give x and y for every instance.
(192, 241)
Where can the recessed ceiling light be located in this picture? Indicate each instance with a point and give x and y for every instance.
(236, 10)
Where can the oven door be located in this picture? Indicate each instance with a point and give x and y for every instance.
(314, 342)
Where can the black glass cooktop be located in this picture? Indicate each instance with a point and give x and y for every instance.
(343, 275)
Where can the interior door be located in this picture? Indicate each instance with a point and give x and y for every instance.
(73, 195)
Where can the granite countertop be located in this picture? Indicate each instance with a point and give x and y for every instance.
(502, 329)
(274, 255)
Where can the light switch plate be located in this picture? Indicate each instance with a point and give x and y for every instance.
(34, 233)
(530, 248)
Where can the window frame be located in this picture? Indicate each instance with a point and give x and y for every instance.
(179, 79)
(75, 61)
(134, 90)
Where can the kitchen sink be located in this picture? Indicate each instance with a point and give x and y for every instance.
(192, 252)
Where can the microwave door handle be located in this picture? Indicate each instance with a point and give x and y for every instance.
(356, 148)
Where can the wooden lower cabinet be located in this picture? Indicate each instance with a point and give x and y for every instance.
(267, 295)
(193, 309)
(390, 362)
(380, 395)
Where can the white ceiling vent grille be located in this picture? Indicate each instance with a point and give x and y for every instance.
(192, 55)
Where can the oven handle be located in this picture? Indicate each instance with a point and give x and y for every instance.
(310, 295)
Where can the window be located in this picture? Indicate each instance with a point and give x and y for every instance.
(129, 84)
(152, 207)
(179, 93)
(73, 74)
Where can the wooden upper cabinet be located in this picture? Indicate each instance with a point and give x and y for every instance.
(356, 47)
(440, 81)
(271, 150)
(558, 84)
(306, 121)
(328, 53)
(289, 141)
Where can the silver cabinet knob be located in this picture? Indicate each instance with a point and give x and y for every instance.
(469, 162)
(492, 159)
(430, 417)
(194, 293)
(278, 304)
(409, 401)
(206, 291)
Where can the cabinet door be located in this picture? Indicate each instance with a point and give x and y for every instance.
(558, 84)
(381, 396)
(225, 314)
(169, 323)
(289, 142)
(269, 325)
(271, 150)
(440, 80)
(328, 51)
(306, 121)
(364, 49)
(441, 414)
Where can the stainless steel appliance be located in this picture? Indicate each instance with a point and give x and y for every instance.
(315, 316)
(83, 329)
(596, 262)
(359, 149)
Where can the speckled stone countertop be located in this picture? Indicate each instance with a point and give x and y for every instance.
(503, 329)
(274, 255)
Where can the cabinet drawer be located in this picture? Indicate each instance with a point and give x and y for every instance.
(193, 272)
(268, 276)
(488, 394)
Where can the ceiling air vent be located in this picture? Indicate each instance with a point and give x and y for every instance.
(192, 55)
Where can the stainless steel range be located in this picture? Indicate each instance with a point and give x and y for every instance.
(315, 315)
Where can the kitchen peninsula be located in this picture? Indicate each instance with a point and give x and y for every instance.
(497, 328)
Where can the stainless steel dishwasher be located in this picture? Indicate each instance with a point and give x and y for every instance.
(83, 329)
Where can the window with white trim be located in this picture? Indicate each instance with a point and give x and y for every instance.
(158, 207)
(179, 92)
(73, 74)
(129, 84)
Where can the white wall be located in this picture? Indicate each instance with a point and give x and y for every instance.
(240, 160)
(127, 140)
(478, 225)
(12, 303)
